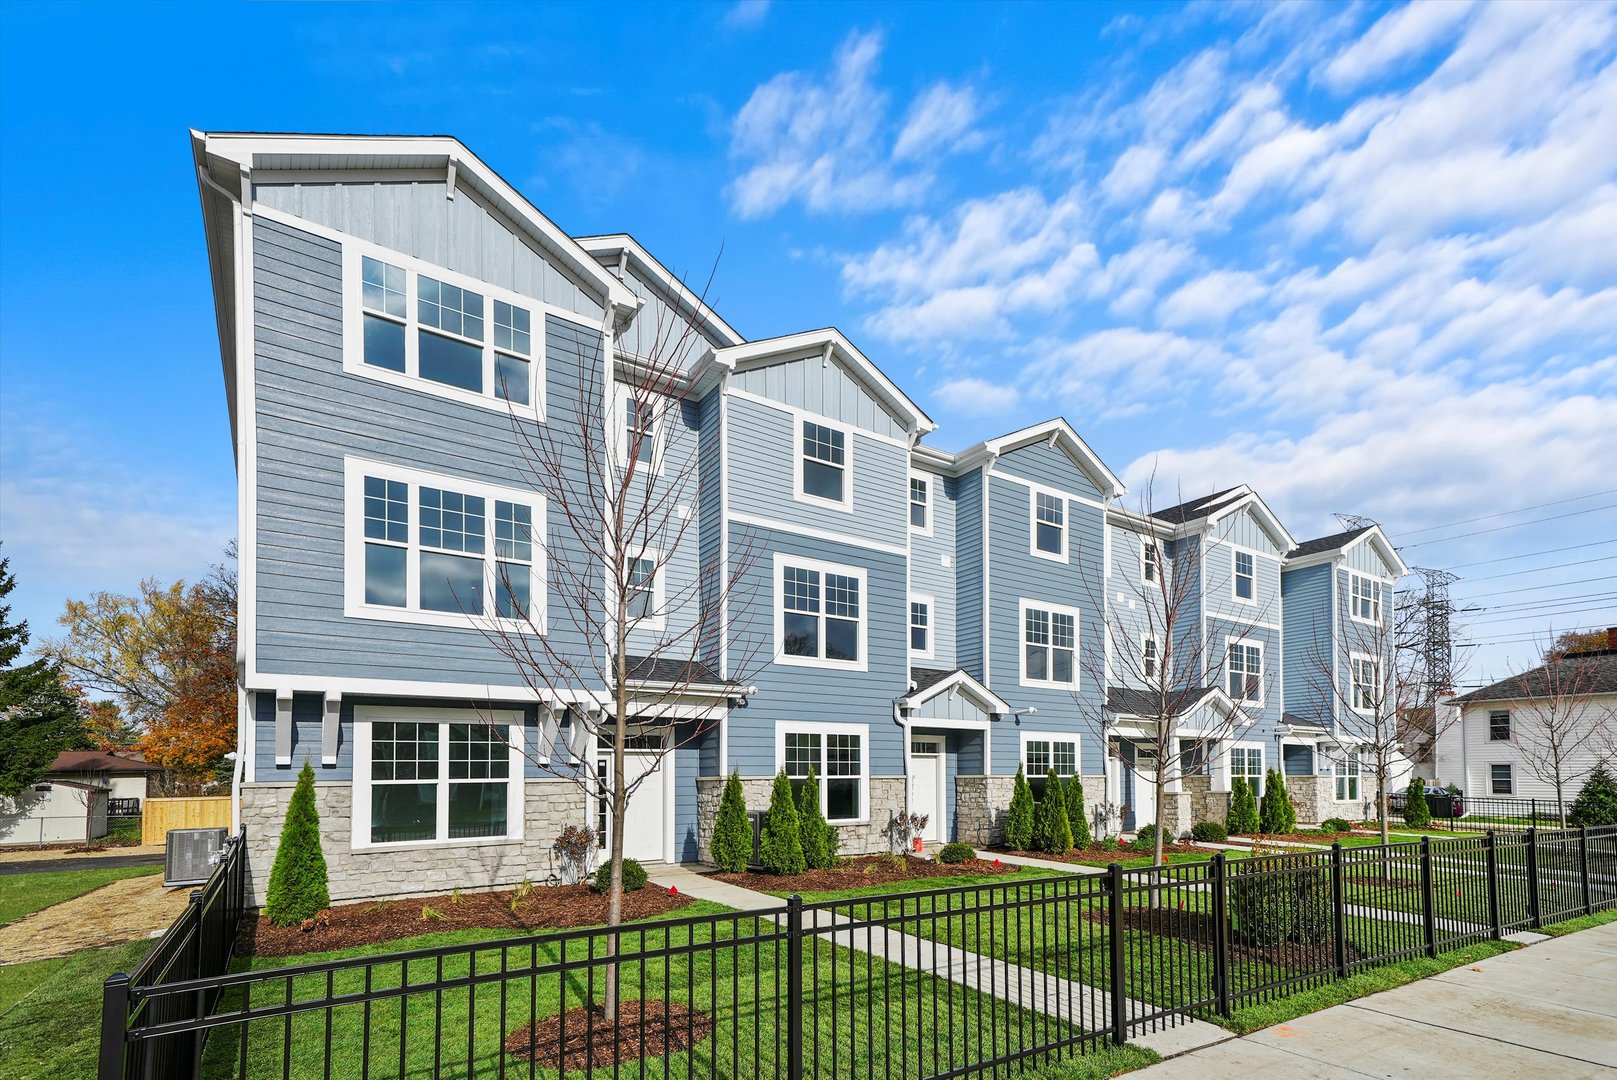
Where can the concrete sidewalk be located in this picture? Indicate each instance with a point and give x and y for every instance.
(1546, 1010)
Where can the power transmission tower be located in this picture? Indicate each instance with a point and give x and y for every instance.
(1354, 521)
(1426, 628)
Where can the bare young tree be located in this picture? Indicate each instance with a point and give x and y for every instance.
(1159, 659)
(629, 645)
(1556, 725)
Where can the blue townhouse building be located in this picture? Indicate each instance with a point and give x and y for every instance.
(397, 323)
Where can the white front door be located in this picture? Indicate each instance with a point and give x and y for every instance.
(1145, 788)
(644, 823)
(927, 787)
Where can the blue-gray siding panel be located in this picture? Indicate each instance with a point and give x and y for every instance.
(1050, 466)
(815, 387)
(1308, 644)
(676, 539)
(930, 575)
(712, 518)
(1219, 568)
(969, 572)
(1219, 633)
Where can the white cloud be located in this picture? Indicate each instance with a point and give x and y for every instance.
(1211, 298)
(1406, 32)
(971, 396)
(940, 120)
(746, 15)
(1134, 173)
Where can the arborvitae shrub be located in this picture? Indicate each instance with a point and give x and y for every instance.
(782, 840)
(1076, 817)
(1276, 815)
(1019, 820)
(819, 836)
(298, 888)
(732, 832)
(1416, 812)
(1596, 803)
(1052, 834)
(1243, 816)
(634, 876)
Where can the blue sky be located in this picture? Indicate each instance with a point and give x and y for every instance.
(1362, 257)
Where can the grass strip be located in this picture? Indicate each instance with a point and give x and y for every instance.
(24, 894)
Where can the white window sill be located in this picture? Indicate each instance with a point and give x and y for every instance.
(381, 613)
(815, 662)
(433, 845)
(1048, 556)
(845, 506)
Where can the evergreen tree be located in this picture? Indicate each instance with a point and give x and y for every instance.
(782, 840)
(1596, 803)
(732, 832)
(297, 884)
(1019, 820)
(1243, 816)
(1276, 814)
(1416, 811)
(1052, 833)
(819, 836)
(38, 717)
(1076, 815)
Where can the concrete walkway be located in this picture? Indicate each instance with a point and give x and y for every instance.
(1546, 1010)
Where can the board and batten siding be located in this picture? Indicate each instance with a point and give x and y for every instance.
(310, 414)
(932, 567)
(662, 332)
(418, 218)
(824, 388)
(1050, 466)
(1306, 603)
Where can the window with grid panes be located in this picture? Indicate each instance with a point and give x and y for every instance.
(824, 462)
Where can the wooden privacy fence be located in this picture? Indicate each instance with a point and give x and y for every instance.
(202, 812)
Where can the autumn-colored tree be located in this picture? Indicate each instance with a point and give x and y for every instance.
(168, 659)
(1576, 641)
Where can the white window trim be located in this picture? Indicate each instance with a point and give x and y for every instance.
(1353, 681)
(1152, 639)
(1052, 737)
(658, 620)
(782, 560)
(1505, 764)
(931, 501)
(1510, 727)
(1033, 493)
(1235, 575)
(931, 625)
(1263, 670)
(1353, 613)
(1340, 773)
(353, 353)
(622, 394)
(1150, 543)
(355, 470)
(794, 727)
(1023, 605)
(1263, 764)
(798, 494)
(365, 715)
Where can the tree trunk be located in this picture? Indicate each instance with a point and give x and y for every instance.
(1382, 779)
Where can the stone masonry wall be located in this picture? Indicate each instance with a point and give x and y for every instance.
(981, 803)
(886, 794)
(1205, 803)
(1315, 798)
(551, 805)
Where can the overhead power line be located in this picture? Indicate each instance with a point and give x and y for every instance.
(1538, 588)
(1506, 513)
(1530, 554)
(1513, 525)
(1540, 569)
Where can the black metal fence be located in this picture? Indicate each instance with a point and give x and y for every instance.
(1476, 813)
(954, 982)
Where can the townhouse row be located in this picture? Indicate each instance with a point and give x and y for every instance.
(400, 329)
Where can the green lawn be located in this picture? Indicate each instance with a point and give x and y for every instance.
(24, 894)
(953, 881)
(50, 1012)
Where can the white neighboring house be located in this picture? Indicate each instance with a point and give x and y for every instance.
(1491, 751)
(72, 800)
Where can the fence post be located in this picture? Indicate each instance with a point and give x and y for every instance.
(1221, 935)
(1428, 896)
(1339, 908)
(1495, 921)
(114, 1025)
(1532, 878)
(1120, 1013)
(1583, 863)
(794, 987)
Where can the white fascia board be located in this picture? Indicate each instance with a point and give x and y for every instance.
(664, 278)
(1111, 487)
(1266, 518)
(961, 681)
(815, 342)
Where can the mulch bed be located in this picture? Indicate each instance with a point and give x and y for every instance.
(860, 871)
(546, 907)
(1090, 855)
(582, 1039)
(1197, 929)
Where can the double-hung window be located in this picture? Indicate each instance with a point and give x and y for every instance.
(820, 614)
(1501, 780)
(641, 595)
(1499, 725)
(437, 331)
(1245, 576)
(920, 508)
(1246, 762)
(1364, 598)
(1049, 645)
(435, 549)
(1151, 562)
(823, 459)
(921, 625)
(639, 432)
(1049, 525)
(1150, 658)
(1366, 690)
(1347, 777)
(836, 753)
(1246, 671)
(423, 780)
(1040, 755)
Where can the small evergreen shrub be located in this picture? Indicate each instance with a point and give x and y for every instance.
(298, 886)
(1276, 814)
(782, 840)
(1145, 839)
(1019, 820)
(1108, 843)
(1336, 825)
(1596, 803)
(1209, 832)
(634, 876)
(819, 837)
(1242, 818)
(1416, 811)
(1052, 833)
(732, 832)
(956, 853)
(1076, 817)
(1280, 902)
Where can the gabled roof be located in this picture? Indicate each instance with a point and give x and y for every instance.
(1057, 432)
(608, 249)
(930, 682)
(1208, 510)
(1592, 672)
(81, 761)
(1322, 548)
(1196, 509)
(1128, 701)
(830, 343)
